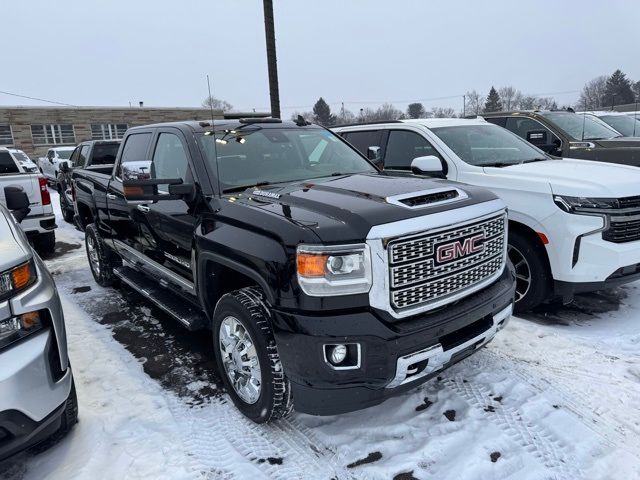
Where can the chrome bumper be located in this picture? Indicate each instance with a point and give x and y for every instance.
(438, 357)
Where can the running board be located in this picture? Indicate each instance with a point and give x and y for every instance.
(181, 310)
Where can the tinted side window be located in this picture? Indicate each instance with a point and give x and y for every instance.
(84, 153)
(169, 159)
(522, 126)
(363, 140)
(403, 146)
(104, 154)
(135, 149)
(501, 121)
(74, 158)
(7, 164)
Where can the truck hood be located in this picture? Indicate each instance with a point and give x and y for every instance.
(343, 209)
(13, 253)
(577, 178)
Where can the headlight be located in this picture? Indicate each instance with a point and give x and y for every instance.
(334, 270)
(17, 279)
(585, 205)
(16, 328)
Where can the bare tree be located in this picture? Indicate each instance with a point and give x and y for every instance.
(475, 103)
(510, 97)
(592, 94)
(443, 112)
(345, 116)
(217, 104)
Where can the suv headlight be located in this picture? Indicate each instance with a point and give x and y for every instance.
(334, 270)
(17, 279)
(585, 205)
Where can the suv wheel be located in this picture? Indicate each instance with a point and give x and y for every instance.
(45, 244)
(101, 259)
(532, 274)
(67, 213)
(247, 356)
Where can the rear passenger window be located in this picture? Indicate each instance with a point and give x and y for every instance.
(7, 164)
(135, 150)
(169, 159)
(363, 140)
(403, 146)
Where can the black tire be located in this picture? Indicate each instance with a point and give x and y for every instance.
(68, 420)
(45, 244)
(67, 213)
(524, 248)
(104, 261)
(248, 306)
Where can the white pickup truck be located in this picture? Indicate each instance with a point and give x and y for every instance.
(50, 165)
(574, 225)
(40, 224)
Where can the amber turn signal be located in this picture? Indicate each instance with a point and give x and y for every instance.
(21, 276)
(310, 265)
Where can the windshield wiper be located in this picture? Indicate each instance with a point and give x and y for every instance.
(531, 160)
(244, 187)
(497, 164)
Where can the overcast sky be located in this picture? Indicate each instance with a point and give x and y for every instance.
(112, 52)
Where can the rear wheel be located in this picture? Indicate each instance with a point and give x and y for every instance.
(247, 356)
(101, 259)
(45, 244)
(532, 273)
(67, 213)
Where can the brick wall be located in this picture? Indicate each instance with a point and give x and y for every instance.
(21, 119)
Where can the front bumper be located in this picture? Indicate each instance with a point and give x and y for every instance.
(395, 355)
(597, 262)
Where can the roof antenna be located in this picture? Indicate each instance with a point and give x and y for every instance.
(213, 133)
(301, 122)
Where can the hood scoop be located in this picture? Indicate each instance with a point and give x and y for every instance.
(427, 198)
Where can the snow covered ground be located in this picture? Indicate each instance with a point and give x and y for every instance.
(555, 396)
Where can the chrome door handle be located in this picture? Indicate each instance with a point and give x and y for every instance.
(111, 196)
(143, 208)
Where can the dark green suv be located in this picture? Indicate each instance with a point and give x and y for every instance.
(568, 134)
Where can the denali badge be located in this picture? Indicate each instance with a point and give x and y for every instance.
(451, 251)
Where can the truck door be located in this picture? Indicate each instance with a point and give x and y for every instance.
(121, 220)
(166, 226)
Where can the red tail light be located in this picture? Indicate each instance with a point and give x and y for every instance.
(44, 191)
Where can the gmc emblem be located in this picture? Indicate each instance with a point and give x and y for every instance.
(461, 248)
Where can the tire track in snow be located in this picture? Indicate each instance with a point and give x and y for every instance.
(596, 418)
(534, 439)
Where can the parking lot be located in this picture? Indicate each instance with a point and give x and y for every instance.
(554, 396)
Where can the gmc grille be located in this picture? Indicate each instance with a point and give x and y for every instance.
(416, 276)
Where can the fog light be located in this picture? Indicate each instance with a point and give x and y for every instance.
(338, 354)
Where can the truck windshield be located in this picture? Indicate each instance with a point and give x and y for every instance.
(255, 155)
(488, 145)
(574, 125)
(625, 124)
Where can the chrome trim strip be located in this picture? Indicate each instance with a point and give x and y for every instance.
(397, 199)
(164, 272)
(377, 240)
(438, 357)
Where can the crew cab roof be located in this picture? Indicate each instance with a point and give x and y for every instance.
(199, 126)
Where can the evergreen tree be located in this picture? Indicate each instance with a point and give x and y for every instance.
(617, 90)
(416, 110)
(493, 103)
(322, 113)
(636, 90)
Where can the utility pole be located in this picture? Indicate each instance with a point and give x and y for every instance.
(272, 63)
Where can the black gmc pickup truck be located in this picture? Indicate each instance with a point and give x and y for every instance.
(324, 281)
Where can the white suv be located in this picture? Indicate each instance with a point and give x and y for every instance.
(574, 226)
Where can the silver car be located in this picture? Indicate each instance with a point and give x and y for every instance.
(38, 402)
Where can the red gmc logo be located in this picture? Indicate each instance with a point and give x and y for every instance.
(451, 251)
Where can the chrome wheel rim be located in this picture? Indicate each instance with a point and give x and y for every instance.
(240, 359)
(92, 251)
(523, 272)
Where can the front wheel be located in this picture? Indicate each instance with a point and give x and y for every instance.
(67, 213)
(101, 259)
(532, 273)
(247, 356)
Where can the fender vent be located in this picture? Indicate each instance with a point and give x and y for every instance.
(429, 198)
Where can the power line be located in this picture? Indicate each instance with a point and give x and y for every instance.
(38, 99)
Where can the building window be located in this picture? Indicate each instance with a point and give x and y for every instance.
(108, 131)
(52, 134)
(6, 138)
